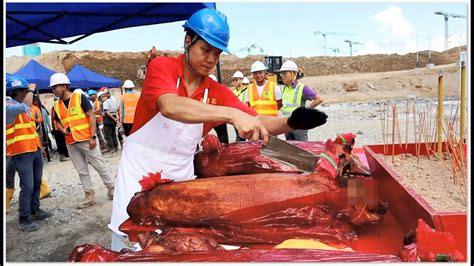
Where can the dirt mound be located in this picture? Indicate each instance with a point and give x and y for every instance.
(125, 65)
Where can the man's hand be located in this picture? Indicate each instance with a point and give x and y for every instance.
(249, 127)
(32, 86)
(92, 144)
(66, 131)
(305, 118)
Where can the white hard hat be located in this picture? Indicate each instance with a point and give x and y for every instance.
(245, 81)
(289, 66)
(100, 94)
(257, 66)
(238, 74)
(212, 76)
(128, 84)
(58, 79)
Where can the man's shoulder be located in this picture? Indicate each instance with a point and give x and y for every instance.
(11, 101)
(163, 61)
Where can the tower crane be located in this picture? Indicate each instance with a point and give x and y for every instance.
(351, 43)
(249, 48)
(446, 18)
(334, 50)
(325, 34)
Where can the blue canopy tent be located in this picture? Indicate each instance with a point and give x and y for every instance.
(7, 75)
(35, 72)
(82, 77)
(51, 22)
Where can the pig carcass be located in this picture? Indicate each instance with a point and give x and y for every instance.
(257, 208)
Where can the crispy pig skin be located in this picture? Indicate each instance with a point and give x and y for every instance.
(193, 202)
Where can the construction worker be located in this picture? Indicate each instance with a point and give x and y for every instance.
(41, 117)
(179, 104)
(77, 123)
(295, 94)
(239, 90)
(264, 96)
(245, 83)
(37, 117)
(111, 121)
(127, 106)
(58, 136)
(114, 103)
(35, 112)
(25, 149)
(99, 119)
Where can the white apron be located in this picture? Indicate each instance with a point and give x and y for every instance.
(161, 145)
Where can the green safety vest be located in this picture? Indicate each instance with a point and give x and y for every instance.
(240, 93)
(291, 98)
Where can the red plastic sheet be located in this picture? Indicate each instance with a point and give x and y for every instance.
(430, 246)
(94, 253)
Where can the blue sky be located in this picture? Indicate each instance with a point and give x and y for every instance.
(288, 29)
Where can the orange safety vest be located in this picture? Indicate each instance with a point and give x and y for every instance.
(21, 136)
(98, 117)
(73, 118)
(266, 103)
(35, 114)
(129, 104)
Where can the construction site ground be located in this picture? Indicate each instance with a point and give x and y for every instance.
(352, 102)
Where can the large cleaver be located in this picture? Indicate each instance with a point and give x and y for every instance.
(289, 154)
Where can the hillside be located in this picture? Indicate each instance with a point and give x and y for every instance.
(124, 65)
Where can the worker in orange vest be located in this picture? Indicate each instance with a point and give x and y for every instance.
(25, 149)
(35, 113)
(263, 95)
(77, 123)
(128, 104)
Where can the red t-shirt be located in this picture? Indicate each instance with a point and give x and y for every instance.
(161, 78)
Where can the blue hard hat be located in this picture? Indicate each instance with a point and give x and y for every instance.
(211, 25)
(16, 82)
(91, 92)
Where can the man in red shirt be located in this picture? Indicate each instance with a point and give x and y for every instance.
(180, 104)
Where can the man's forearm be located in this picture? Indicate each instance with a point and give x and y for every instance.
(108, 114)
(92, 122)
(187, 110)
(317, 101)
